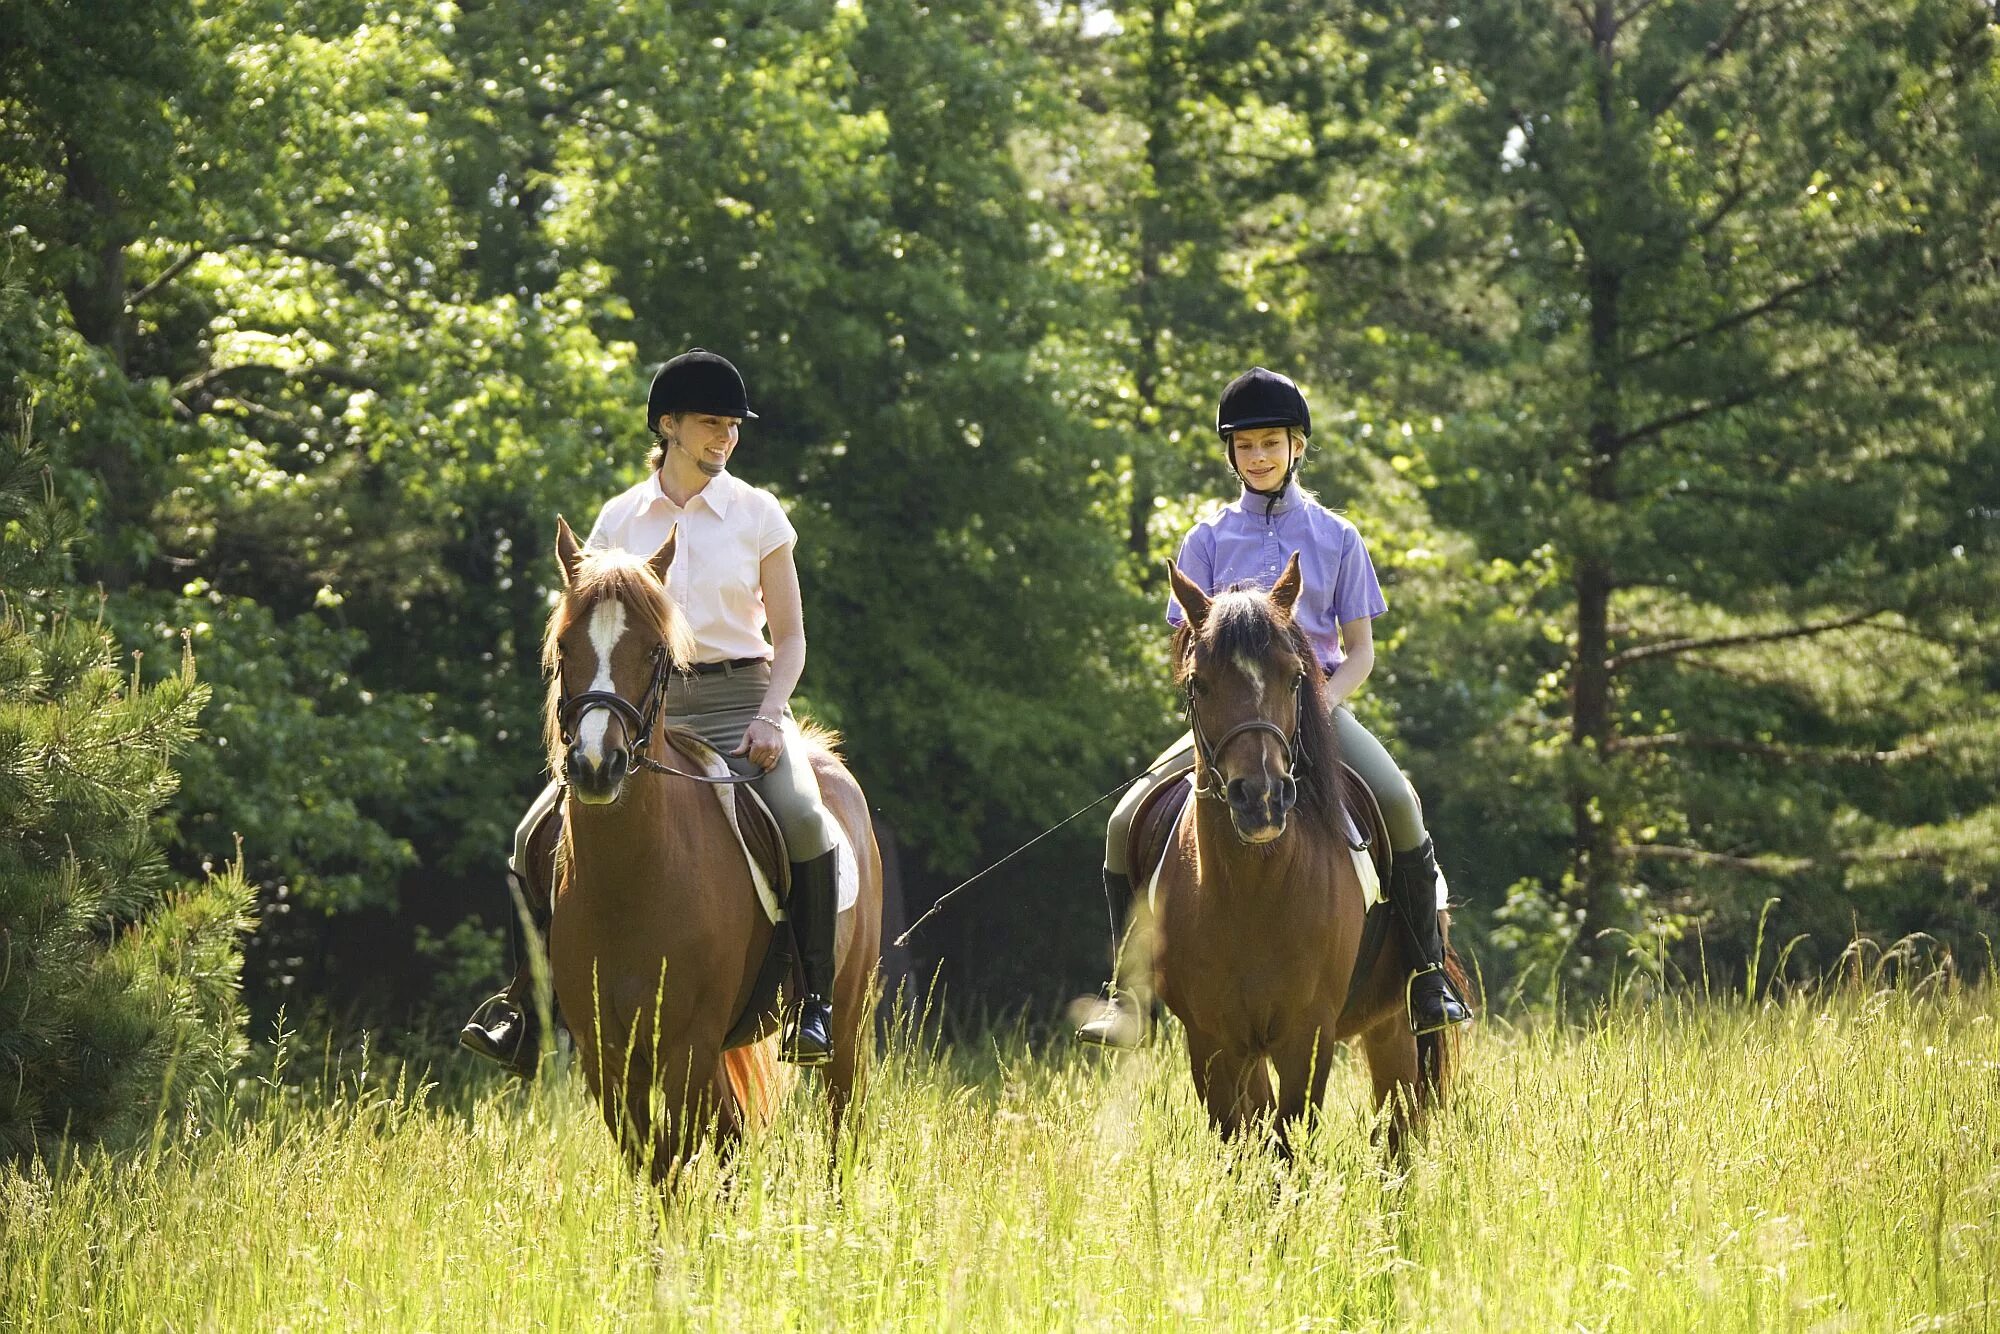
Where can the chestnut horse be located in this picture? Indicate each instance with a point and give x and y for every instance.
(658, 936)
(1259, 912)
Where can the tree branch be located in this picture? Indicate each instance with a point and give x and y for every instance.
(215, 375)
(355, 277)
(1744, 316)
(1736, 398)
(1713, 52)
(1671, 647)
(1773, 864)
(1783, 754)
(1673, 852)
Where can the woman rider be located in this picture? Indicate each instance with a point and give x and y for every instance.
(733, 576)
(1264, 424)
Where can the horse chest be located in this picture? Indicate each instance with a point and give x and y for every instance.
(1241, 976)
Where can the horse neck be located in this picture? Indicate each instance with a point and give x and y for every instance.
(647, 829)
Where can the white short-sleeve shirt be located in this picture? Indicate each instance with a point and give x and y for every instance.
(726, 530)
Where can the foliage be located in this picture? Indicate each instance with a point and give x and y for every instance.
(118, 986)
(1724, 420)
(338, 303)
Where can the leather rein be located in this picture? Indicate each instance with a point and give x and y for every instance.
(639, 722)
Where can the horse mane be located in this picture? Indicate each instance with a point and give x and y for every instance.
(1247, 622)
(605, 572)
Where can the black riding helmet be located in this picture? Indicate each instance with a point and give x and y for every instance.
(697, 381)
(1261, 397)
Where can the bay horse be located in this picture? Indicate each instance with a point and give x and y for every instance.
(657, 936)
(1258, 920)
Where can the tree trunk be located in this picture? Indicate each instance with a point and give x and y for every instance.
(1161, 95)
(1591, 716)
(97, 295)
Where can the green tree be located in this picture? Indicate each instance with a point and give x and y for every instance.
(1722, 361)
(118, 1004)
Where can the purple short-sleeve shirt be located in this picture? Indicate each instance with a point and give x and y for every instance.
(1242, 547)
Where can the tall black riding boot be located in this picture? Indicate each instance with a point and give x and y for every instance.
(1413, 897)
(506, 1028)
(813, 910)
(1120, 1021)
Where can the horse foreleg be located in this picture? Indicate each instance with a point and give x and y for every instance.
(1392, 1068)
(1302, 1073)
(1236, 1086)
(686, 1084)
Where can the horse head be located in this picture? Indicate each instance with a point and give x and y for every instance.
(1252, 689)
(612, 640)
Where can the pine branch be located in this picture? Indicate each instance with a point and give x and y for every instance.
(1772, 864)
(1712, 53)
(1736, 398)
(1673, 647)
(1769, 750)
(1765, 864)
(1773, 302)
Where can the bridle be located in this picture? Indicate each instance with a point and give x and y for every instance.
(1208, 780)
(639, 722)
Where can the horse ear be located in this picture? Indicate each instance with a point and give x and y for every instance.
(1285, 592)
(1193, 601)
(664, 557)
(568, 554)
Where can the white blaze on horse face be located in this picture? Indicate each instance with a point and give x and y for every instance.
(1254, 671)
(607, 627)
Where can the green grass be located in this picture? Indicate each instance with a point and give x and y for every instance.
(1825, 1163)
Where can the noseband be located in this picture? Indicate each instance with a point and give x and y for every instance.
(1208, 779)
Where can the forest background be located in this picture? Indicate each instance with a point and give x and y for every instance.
(1650, 345)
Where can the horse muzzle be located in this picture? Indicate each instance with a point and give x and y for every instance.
(597, 780)
(1258, 809)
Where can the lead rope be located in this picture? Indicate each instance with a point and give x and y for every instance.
(945, 897)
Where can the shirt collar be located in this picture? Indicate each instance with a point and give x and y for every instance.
(720, 490)
(1253, 503)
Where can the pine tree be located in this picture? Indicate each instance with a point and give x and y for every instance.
(118, 983)
(1727, 421)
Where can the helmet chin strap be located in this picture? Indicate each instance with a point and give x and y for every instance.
(1271, 497)
(700, 461)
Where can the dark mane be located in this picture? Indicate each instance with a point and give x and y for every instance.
(623, 577)
(1247, 622)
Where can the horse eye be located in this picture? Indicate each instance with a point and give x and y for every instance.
(1197, 685)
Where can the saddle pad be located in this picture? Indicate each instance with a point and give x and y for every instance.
(1357, 847)
(847, 871)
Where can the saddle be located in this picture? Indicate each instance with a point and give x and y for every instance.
(780, 975)
(1366, 832)
(770, 869)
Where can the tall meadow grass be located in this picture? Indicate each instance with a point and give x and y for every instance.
(1828, 1161)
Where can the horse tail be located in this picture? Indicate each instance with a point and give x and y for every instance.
(1438, 1053)
(750, 1073)
(818, 736)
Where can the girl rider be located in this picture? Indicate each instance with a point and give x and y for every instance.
(733, 577)
(1264, 424)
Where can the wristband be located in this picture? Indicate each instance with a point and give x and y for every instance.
(778, 723)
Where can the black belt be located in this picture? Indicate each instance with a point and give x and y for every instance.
(732, 665)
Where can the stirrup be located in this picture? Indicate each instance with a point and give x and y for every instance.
(1451, 997)
(790, 1049)
(1124, 1010)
